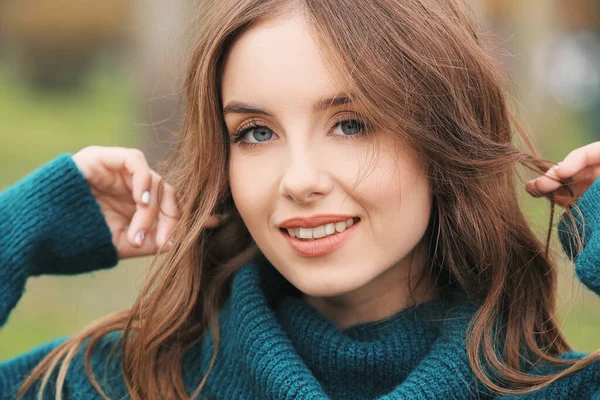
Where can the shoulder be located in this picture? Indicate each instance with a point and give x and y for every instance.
(105, 364)
(583, 384)
(14, 370)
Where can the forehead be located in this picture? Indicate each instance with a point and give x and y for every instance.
(276, 63)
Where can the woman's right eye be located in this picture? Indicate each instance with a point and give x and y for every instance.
(253, 135)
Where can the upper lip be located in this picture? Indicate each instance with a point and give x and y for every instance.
(313, 221)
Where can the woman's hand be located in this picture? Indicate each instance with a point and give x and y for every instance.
(127, 191)
(582, 165)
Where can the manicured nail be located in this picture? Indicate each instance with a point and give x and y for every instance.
(139, 238)
(146, 197)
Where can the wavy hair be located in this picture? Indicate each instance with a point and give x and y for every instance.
(420, 69)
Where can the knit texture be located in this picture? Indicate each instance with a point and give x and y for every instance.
(273, 344)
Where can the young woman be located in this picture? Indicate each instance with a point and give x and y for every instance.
(374, 246)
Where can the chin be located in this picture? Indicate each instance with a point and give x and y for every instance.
(331, 286)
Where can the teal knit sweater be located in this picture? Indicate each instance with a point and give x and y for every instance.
(274, 345)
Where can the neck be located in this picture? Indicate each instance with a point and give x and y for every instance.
(383, 297)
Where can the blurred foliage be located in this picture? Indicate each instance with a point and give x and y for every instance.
(68, 20)
(558, 132)
(57, 41)
(36, 127)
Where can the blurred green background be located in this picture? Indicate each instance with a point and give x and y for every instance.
(110, 75)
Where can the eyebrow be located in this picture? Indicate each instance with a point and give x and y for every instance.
(238, 107)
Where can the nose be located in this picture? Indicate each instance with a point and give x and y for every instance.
(304, 179)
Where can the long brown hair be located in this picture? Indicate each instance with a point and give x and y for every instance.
(421, 70)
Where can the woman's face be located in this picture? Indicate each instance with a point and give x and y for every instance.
(300, 157)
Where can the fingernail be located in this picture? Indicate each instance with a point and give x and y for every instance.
(139, 238)
(146, 197)
(170, 243)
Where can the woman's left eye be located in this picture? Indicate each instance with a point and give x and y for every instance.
(350, 127)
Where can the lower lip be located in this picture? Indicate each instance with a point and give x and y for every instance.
(319, 247)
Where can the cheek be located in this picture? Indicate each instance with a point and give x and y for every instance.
(412, 214)
(397, 198)
(251, 187)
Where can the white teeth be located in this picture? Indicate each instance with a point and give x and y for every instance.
(305, 233)
(329, 229)
(320, 231)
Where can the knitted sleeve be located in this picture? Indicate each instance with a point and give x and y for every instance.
(587, 222)
(584, 384)
(50, 223)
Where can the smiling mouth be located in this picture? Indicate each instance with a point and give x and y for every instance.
(320, 232)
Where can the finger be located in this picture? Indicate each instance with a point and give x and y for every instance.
(142, 177)
(579, 159)
(127, 250)
(544, 184)
(134, 162)
(144, 216)
(167, 215)
(586, 177)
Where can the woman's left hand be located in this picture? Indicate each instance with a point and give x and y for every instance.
(582, 165)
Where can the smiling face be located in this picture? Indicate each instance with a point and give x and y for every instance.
(303, 152)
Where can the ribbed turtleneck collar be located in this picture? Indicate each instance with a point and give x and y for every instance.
(367, 359)
(286, 349)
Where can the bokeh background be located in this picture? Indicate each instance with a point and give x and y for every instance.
(75, 73)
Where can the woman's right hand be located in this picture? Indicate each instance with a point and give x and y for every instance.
(127, 191)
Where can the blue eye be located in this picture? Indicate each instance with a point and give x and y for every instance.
(253, 134)
(350, 127)
(260, 134)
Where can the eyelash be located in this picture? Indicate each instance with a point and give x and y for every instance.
(238, 135)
